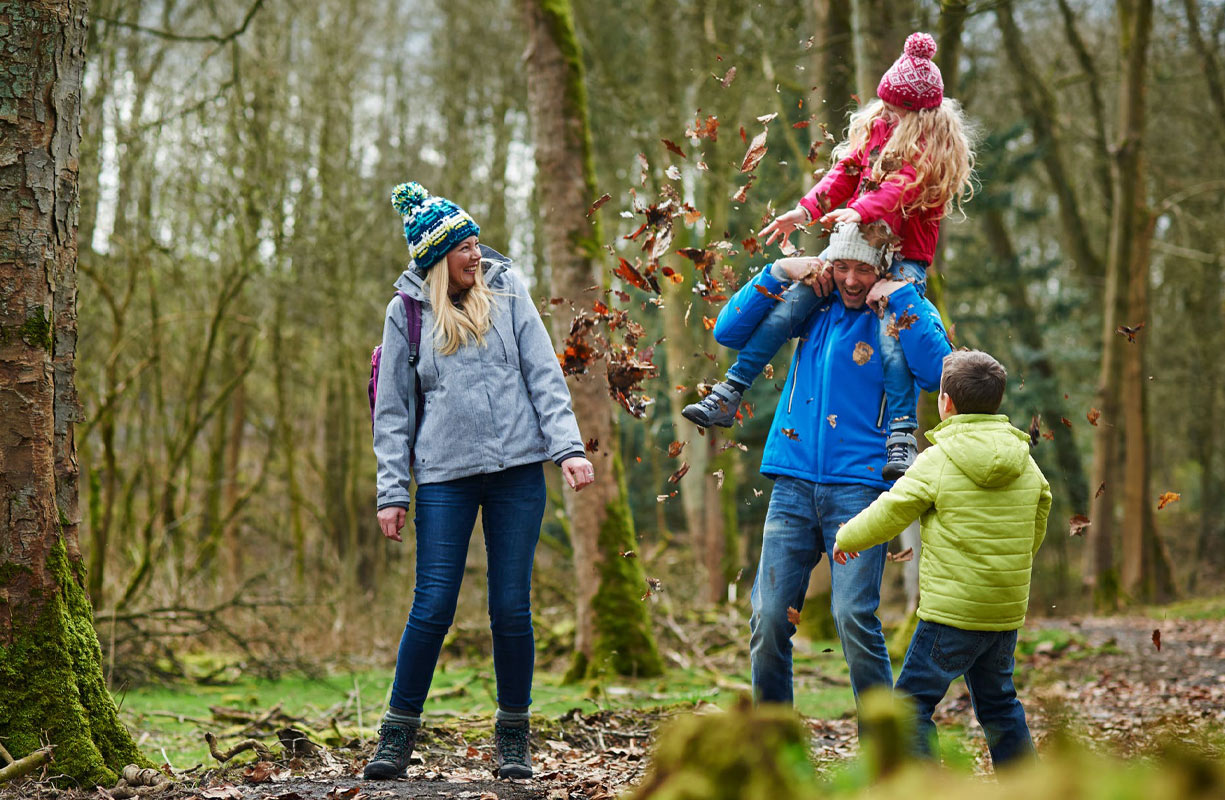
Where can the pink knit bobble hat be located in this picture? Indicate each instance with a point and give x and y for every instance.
(913, 82)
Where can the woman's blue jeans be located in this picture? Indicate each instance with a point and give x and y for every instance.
(512, 506)
(937, 656)
(901, 394)
(802, 524)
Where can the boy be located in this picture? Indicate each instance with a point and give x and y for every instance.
(983, 504)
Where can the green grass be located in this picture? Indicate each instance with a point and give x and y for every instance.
(1195, 608)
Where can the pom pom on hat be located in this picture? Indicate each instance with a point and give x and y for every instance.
(920, 45)
(407, 196)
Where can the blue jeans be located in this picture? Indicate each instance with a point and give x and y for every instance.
(937, 656)
(512, 506)
(799, 300)
(802, 523)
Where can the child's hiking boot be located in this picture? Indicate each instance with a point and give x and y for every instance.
(901, 449)
(395, 749)
(514, 753)
(717, 408)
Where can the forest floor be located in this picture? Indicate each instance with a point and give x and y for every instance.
(1102, 680)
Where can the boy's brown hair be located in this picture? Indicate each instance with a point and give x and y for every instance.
(974, 381)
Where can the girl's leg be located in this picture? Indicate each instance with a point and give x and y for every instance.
(901, 394)
(512, 507)
(445, 516)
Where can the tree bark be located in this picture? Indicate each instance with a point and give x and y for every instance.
(613, 630)
(50, 660)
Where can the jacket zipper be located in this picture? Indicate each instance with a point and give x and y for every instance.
(829, 340)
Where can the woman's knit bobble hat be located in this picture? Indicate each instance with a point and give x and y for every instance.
(432, 225)
(913, 82)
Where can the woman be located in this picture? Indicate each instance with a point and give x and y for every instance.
(494, 407)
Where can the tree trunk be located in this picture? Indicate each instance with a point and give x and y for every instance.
(50, 660)
(834, 63)
(613, 628)
(881, 28)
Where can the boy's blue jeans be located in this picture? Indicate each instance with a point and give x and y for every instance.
(512, 505)
(802, 523)
(901, 395)
(937, 656)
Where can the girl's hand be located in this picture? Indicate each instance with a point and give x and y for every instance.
(391, 520)
(806, 269)
(841, 555)
(578, 472)
(783, 226)
(840, 215)
(880, 291)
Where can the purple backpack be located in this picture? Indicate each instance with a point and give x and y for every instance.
(412, 308)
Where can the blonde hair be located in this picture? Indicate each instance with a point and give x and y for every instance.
(458, 324)
(938, 142)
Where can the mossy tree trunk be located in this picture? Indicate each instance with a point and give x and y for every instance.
(613, 628)
(50, 660)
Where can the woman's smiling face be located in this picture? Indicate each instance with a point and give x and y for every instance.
(463, 261)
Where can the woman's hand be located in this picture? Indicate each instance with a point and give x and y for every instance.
(578, 472)
(391, 520)
(840, 215)
(783, 226)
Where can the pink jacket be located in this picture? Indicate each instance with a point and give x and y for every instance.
(920, 230)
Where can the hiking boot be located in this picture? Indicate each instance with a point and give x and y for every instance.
(394, 751)
(902, 450)
(717, 408)
(514, 754)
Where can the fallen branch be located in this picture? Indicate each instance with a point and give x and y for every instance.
(247, 744)
(26, 765)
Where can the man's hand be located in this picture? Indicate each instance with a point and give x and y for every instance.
(391, 520)
(841, 555)
(880, 291)
(783, 226)
(578, 472)
(806, 269)
(840, 215)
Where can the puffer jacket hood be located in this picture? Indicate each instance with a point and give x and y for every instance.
(412, 279)
(986, 447)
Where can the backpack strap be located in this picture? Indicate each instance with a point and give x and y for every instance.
(412, 309)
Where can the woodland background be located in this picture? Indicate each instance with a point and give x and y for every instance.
(237, 249)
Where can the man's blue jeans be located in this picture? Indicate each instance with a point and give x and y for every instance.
(937, 656)
(799, 300)
(512, 506)
(802, 524)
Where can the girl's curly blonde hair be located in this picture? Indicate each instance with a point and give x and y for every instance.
(938, 142)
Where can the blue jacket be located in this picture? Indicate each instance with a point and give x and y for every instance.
(832, 407)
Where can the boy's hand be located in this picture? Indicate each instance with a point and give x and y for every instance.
(783, 226)
(840, 215)
(841, 555)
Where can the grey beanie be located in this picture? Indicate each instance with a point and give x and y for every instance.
(847, 243)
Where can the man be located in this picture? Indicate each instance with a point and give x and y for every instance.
(825, 445)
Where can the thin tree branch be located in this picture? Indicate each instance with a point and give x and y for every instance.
(185, 37)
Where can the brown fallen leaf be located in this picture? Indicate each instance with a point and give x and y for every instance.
(790, 434)
(1034, 430)
(1066, 421)
(628, 554)
(1100, 490)
(1157, 638)
(778, 297)
(793, 616)
(727, 79)
(592, 445)
(742, 194)
(863, 353)
(718, 474)
(1078, 524)
(1129, 331)
(1093, 416)
(832, 419)
(768, 371)
(598, 204)
(675, 448)
(1167, 498)
(680, 473)
(672, 146)
(905, 555)
(756, 152)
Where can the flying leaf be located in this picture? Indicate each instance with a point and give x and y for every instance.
(751, 247)
(813, 155)
(1167, 498)
(718, 478)
(1157, 639)
(1034, 430)
(704, 130)
(1100, 491)
(708, 323)
(1066, 421)
(627, 272)
(793, 616)
(790, 434)
(1129, 332)
(671, 145)
(604, 198)
(742, 194)
(804, 123)
(832, 419)
(644, 169)
(766, 119)
(592, 445)
(628, 554)
(1093, 416)
(675, 449)
(673, 173)
(779, 297)
(863, 353)
(756, 152)
(727, 79)
(768, 371)
(675, 477)
(1078, 524)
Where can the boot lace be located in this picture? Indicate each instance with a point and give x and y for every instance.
(395, 744)
(513, 743)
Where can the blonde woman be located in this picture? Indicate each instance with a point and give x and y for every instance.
(907, 161)
(495, 407)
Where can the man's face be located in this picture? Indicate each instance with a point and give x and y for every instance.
(854, 279)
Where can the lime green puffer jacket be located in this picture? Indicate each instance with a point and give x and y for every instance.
(982, 503)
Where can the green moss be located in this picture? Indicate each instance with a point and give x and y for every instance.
(36, 331)
(54, 688)
(623, 643)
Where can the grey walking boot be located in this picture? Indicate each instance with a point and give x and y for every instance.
(717, 408)
(395, 749)
(902, 450)
(514, 752)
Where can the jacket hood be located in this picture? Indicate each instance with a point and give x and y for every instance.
(986, 447)
(412, 279)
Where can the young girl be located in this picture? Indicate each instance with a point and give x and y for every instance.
(906, 160)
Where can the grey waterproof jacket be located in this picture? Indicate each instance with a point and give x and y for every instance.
(486, 407)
